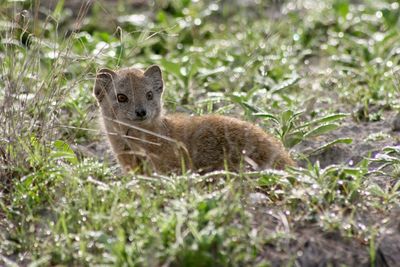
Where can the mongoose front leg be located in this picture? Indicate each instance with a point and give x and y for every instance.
(128, 161)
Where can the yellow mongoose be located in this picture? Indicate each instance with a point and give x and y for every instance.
(141, 135)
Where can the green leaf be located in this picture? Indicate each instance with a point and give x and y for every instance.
(396, 187)
(161, 17)
(352, 171)
(321, 130)
(333, 117)
(285, 84)
(203, 72)
(326, 119)
(391, 149)
(267, 116)
(341, 7)
(337, 141)
(63, 151)
(268, 180)
(185, 3)
(58, 10)
(294, 116)
(171, 67)
(376, 190)
(293, 139)
(286, 115)
(391, 17)
(250, 107)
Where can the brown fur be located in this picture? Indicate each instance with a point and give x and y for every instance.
(169, 143)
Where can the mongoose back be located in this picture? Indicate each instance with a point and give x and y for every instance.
(141, 134)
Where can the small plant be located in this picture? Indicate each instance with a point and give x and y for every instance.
(387, 195)
(292, 132)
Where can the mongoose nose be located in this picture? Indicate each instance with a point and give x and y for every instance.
(140, 112)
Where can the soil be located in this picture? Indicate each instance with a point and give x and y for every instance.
(368, 140)
(308, 246)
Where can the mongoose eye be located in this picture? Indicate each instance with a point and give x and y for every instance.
(122, 98)
(149, 95)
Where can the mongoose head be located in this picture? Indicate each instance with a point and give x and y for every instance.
(130, 95)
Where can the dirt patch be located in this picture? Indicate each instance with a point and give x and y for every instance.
(368, 140)
(308, 245)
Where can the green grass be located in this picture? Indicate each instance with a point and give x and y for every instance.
(300, 75)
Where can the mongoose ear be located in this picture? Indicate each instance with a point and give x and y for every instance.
(103, 79)
(155, 75)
